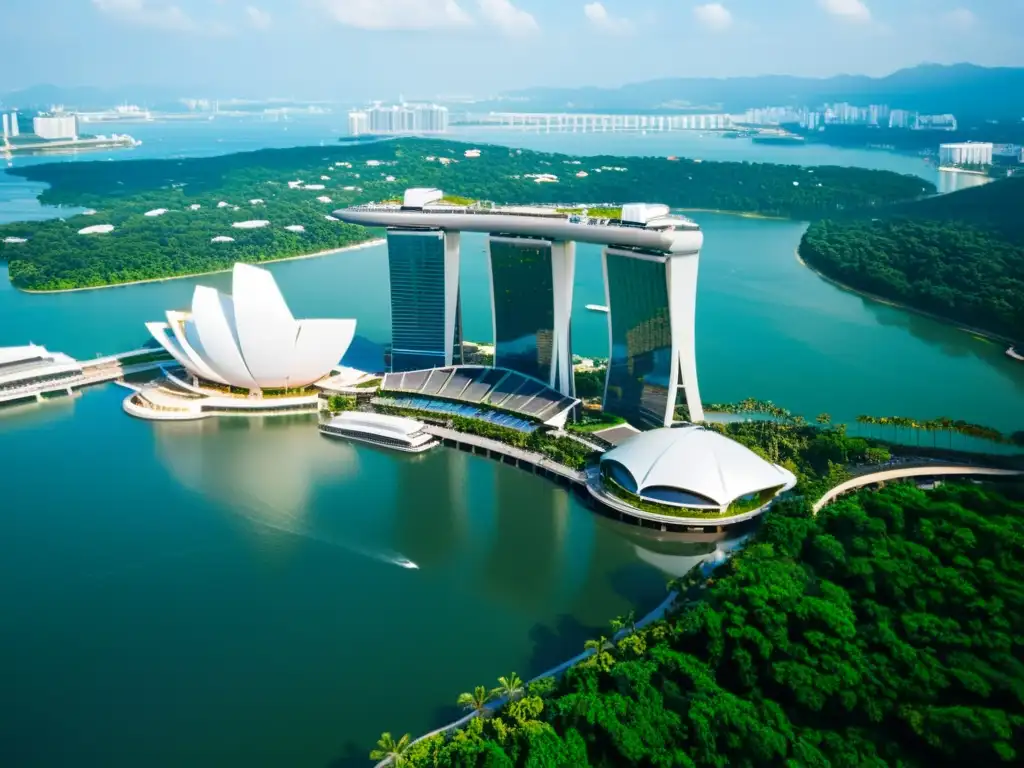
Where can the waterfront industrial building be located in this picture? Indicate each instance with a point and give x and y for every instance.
(650, 266)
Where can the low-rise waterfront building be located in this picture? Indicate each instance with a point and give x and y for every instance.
(693, 473)
(394, 432)
(31, 365)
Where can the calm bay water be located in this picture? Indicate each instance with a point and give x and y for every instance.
(225, 593)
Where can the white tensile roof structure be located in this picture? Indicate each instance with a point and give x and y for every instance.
(693, 466)
(250, 339)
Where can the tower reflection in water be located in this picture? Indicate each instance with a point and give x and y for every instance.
(264, 470)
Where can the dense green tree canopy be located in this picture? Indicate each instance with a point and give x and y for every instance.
(889, 630)
(179, 242)
(959, 256)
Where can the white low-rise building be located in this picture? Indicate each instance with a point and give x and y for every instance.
(31, 365)
(395, 432)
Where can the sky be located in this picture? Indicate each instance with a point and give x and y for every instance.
(380, 49)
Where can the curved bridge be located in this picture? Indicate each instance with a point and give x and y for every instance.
(904, 473)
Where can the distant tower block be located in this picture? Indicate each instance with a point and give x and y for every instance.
(531, 297)
(15, 130)
(7, 125)
(426, 314)
(652, 299)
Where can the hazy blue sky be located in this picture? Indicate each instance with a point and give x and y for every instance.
(422, 48)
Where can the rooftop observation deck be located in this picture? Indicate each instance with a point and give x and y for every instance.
(643, 226)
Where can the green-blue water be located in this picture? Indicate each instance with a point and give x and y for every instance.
(225, 593)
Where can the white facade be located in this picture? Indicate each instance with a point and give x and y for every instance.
(15, 128)
(55, 127)
(358, 123)
(7, 125)
(251, 340)
(399, 118)
(966, 153)
(667, 464)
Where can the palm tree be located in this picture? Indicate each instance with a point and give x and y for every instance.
(601, 658)
(509, 688)
(475, 701)
(389, 749)
(824, 419)
(628, 621)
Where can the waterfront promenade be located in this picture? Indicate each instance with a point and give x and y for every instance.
(537, 463)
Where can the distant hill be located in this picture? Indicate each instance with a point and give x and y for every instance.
(969, 91)
(86, 97)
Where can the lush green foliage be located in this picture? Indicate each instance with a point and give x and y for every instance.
(563, 450)
(887, 631)
(179, 242)
(960, 256)
(340, 403)
(590, 384)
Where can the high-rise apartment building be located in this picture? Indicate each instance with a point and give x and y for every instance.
(966, 153)
(55, 127)
(399, 119)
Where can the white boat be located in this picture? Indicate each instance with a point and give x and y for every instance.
(406, 563)
(597, 307)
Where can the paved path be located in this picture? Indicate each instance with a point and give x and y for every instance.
(530, 457)
(904, 473)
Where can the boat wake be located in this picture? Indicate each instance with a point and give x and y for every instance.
(291, 525)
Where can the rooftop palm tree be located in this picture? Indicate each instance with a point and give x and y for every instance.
(510, 687)
(389, 749)
(475, 701)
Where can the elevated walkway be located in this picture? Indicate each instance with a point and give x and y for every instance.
(923, 470)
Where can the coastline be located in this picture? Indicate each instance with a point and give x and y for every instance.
(742, 214)
(986, 335)
(318, 254)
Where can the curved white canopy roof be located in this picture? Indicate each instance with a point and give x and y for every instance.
(699, 461)
(251, 340)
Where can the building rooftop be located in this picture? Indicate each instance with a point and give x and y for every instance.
(696, 461)
(32, 361)
(643, 225)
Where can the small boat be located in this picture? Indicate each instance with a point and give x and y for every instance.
(406, 563)
(597, 307)
(1016, 354)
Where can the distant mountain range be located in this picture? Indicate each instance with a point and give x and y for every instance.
(88, 97)
(966, 90)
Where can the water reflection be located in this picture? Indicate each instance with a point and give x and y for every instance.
(530, 519)
(954, 181)
(266, 479)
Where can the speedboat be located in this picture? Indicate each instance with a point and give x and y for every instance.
(597, 308)
(406, 563)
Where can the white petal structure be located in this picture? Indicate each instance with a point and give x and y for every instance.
(251, 340)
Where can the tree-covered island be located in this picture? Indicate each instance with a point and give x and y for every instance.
(958, 256)
(194, 203)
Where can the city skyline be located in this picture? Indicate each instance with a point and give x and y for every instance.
(273, 47)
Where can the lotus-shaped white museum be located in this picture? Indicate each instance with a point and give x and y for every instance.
(243, 354)
(250, 340)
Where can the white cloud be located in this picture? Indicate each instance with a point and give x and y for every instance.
(257, 18)
(714, 16)
(144, 14)
(511, 20)
(397, 14)
(848, 10)
(959, 19)
(599, 17)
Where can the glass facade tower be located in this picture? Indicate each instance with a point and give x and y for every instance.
(426, 318)
(524, 313)
(652, 302)
(531, 293)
